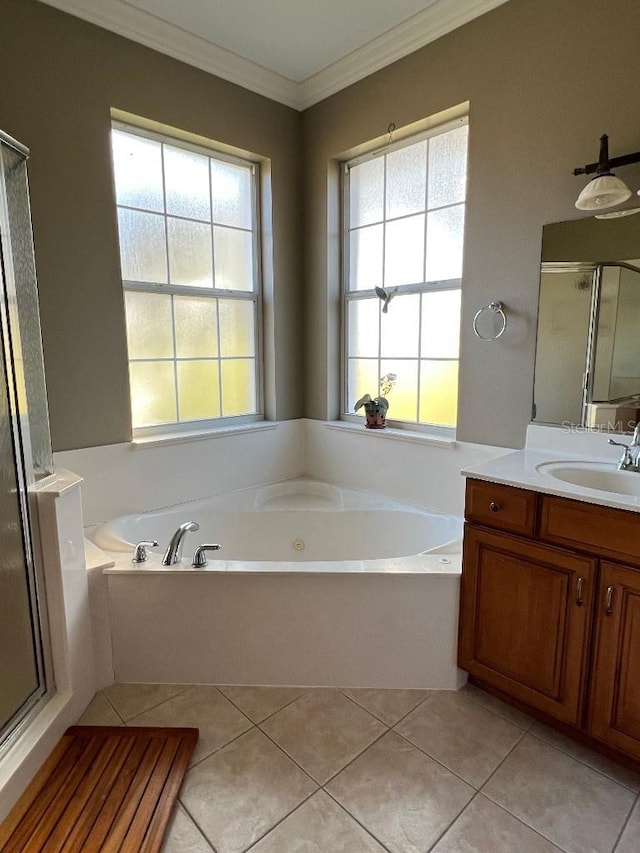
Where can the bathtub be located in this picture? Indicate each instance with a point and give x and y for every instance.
(313, 585)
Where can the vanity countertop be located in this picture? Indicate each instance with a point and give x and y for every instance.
(521, 469)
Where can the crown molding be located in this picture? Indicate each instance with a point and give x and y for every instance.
(146, 29)
(440, 18)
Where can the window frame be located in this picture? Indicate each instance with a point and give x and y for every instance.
(255, 296)
(346, 296)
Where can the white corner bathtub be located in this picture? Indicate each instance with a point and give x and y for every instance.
(313, 585)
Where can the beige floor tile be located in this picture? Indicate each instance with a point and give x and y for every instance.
(260, 702)
(203, 707)
(404, 798)
(239, 793)
(483, 827)
(387, 705)
(318, 826)
(99, 713)
(630, 839)
(593, 759)
(183, 836)
(522, 721)
(461, 734)
(323, 731)
(577, 808)
(129, 700)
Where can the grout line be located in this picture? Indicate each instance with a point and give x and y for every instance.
(626, 823)
(186, 687)
(290, 757)
(272, 714)
(472, 698)
(435, 760)
(354, 818)
(198, 827)
(455, 819)
(111, 705)
(355, 758)
(584, 763)
(221, 747)
(373, 714)
(282, 819)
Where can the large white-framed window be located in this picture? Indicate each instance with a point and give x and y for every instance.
(403, 236)
(189, 254)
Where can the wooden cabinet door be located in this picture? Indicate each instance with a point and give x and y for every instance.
(525, 616)
(614, 715)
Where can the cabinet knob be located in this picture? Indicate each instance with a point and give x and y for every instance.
(494, 507)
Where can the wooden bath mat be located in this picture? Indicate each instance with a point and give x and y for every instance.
(103, 789)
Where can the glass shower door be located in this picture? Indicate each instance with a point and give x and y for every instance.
(22, 395)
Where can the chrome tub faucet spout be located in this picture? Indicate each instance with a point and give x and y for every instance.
(173, 554)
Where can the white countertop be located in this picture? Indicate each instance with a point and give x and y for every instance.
(520, 469)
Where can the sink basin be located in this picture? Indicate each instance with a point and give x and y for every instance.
(601, 476)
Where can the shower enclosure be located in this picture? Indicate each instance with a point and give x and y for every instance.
(25, 454)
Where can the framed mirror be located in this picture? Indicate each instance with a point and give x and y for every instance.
(587, 370)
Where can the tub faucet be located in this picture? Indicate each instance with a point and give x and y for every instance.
(173, 554)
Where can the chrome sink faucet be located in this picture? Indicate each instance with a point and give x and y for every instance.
(173, 554)
(630, 459)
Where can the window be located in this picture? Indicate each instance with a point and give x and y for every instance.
(403, 239)
(188, 252)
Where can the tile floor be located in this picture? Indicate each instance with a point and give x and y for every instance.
(285, 770)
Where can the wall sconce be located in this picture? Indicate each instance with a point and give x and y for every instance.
(605, 190)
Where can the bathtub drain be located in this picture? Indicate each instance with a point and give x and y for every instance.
(298, 545)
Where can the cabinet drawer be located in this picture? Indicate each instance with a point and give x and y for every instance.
(504, 507)
(587, 527)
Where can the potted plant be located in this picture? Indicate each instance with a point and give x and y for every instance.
(375, 408)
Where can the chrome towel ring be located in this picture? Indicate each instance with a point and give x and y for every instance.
(497, 308)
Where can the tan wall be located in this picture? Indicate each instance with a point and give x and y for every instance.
(59, 77)
(544, 78)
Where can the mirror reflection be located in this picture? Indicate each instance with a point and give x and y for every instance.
(588, 349)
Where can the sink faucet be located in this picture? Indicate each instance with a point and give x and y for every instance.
(630, 459)
(173, 554)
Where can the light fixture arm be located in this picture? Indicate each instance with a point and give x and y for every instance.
(604, 164)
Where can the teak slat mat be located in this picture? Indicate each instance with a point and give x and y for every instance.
(103, 788)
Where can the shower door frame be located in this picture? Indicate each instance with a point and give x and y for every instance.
(10, 339)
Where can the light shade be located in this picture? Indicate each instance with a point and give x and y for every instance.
(602, 192)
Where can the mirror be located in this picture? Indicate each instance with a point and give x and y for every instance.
(587, 369)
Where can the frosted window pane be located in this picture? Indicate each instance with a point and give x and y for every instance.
(445, 232)
(401, 327)
(143, 254)
(441, 324)
(137, 165)
(153, 398)
(231, 194)
(366, 188)
(237, 328)
(187, 183)
(406, 180)
(149, 330)
(403, 397)
(190, 253)
(363, 327)
(448, 167)
(439, 392)
(362, 379)
(233, 259)
(196, 327)
(238, 387)
(365, 258)
(404, 251)
(198, 390)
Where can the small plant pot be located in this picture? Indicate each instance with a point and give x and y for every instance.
(375, 416)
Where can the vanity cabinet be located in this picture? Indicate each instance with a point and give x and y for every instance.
(550, 608)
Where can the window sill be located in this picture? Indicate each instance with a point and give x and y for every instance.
(181, 437)
(395, 434)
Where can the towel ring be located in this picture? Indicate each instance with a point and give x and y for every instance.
(497, 308)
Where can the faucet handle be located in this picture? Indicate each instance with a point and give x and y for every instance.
(200, 555)
(627, 459)
(140, 551)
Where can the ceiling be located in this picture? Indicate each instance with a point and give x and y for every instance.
(294, 51)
